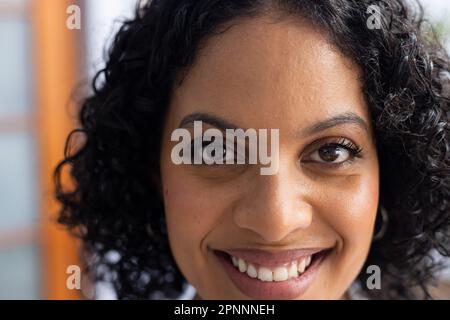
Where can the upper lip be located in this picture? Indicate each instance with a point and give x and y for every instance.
(272, 258)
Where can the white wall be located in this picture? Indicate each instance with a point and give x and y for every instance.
(101, 26)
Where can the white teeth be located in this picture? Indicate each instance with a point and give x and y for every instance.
(301, 266)
(293, 270)
(308, 261)
(251, 271)
(280, 274)
(242, 265)
(265, 274)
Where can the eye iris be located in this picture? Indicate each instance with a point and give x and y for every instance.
(330, 153)
(223, 155)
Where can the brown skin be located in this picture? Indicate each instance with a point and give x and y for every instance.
(284, 75)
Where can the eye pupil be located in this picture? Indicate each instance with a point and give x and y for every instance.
(222, 155)
(224, 152)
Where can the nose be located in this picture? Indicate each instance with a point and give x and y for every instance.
(275, 207)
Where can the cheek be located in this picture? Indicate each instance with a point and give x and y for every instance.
(192, 212)
(351, 212)
(361, 206)
(190, 207)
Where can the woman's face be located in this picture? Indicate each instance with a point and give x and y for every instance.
(304, 232)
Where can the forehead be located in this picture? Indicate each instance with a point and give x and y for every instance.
(268, 74)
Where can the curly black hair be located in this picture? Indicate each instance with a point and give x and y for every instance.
(115, 204)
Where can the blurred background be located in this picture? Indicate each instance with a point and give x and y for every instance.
(41, 62)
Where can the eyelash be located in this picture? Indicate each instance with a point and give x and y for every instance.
(354, 151)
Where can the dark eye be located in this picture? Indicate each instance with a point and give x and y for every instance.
(331, 154)
(335, 153)
(222, 154)
(226, 153)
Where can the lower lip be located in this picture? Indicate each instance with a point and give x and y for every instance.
(268, 290)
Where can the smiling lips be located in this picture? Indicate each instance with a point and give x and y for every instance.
(272, 275)
(280, 273)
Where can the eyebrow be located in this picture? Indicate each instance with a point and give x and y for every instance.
(340, 119)
(207, 118)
